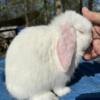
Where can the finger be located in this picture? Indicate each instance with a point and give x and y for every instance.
(87, 56)
(92, 16)
(97, 29)
(96, 17)
(93, 55)
(94, 33)
(96, 46)
(87, 13)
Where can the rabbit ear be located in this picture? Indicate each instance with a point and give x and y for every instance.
(66, 47)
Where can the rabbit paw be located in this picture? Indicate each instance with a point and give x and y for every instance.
(45, 96)
(62, 91)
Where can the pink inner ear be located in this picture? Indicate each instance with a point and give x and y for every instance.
(66, 47)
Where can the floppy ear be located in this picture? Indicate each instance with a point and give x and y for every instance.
(66, 47)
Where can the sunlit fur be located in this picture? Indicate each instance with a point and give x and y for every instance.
(31, 66)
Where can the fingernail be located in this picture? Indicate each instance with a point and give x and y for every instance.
(87, 56)
(84, 9)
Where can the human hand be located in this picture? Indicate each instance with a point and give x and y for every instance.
(95, 19)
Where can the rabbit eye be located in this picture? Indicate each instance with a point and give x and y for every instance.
(81, 31)
(77, 29)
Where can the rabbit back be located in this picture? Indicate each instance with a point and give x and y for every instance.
(30, 63)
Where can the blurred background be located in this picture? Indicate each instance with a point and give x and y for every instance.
(18, 14)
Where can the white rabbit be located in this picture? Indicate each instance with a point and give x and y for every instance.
(43, 58)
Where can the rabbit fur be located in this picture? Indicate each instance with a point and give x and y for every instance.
(31, 63)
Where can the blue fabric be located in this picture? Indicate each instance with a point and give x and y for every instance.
(85, 80)
(4, 95)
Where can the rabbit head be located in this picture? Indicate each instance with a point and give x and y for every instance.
(80, 27)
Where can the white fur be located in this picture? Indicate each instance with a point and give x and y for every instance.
(31, 65)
